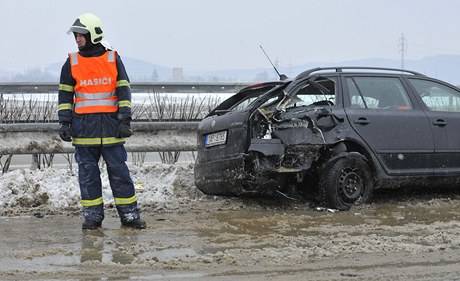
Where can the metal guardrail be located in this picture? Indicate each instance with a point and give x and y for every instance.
(43, 138)
(136, 87)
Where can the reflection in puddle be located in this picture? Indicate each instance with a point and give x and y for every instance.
(96, 246)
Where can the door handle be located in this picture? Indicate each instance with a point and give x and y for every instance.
(440, 123)
(361, 120)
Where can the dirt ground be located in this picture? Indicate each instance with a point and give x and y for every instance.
(402, 235)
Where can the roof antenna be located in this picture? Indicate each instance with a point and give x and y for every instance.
(282, 76)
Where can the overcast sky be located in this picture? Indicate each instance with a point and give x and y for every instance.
(213, 34)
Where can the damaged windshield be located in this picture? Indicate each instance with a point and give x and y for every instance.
(251, 96)
(244, 99)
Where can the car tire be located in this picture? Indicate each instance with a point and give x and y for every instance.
(345, 181)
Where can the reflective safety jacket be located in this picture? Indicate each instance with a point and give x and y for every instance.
(95, 83)
(94, 96)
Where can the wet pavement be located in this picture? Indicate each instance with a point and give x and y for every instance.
(405, 234)
(232, 239)
(402, 235)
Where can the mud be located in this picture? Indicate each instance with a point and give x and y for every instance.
(402, 235)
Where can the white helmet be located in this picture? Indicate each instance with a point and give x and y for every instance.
(89, 23)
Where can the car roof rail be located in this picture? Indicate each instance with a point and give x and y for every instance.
(341, 68)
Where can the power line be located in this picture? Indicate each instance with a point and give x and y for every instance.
(402, 48)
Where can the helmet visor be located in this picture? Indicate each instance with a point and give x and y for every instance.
(76, 29)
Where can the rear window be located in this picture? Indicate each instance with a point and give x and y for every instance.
(436, 96)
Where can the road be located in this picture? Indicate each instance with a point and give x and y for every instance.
(402, 235)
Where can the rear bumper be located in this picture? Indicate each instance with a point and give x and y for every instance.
(221, 177)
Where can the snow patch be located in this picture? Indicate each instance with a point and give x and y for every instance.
(58, 189)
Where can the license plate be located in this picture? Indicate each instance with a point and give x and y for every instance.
(216, 139)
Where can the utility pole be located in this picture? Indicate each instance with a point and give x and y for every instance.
(402, 48)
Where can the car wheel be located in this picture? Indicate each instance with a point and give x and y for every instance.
(345, 181)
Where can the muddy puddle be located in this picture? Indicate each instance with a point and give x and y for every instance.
(403, 235)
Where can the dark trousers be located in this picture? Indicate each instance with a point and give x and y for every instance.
(120, 182)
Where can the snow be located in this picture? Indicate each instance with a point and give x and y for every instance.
(57, 189)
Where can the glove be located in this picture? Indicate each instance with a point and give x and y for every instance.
(64, 132)
(124, 131)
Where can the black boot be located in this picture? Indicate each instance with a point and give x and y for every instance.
(87, 224)
(139, 223)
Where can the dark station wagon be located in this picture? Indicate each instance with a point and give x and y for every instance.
(336, 132)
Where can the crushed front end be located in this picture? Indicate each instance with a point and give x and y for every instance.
(275, 142)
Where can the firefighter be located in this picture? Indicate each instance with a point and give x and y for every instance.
(94, 114)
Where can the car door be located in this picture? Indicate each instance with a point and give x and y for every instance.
(442, 106)
(395, 128)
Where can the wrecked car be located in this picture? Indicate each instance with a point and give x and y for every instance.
(337, 132)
